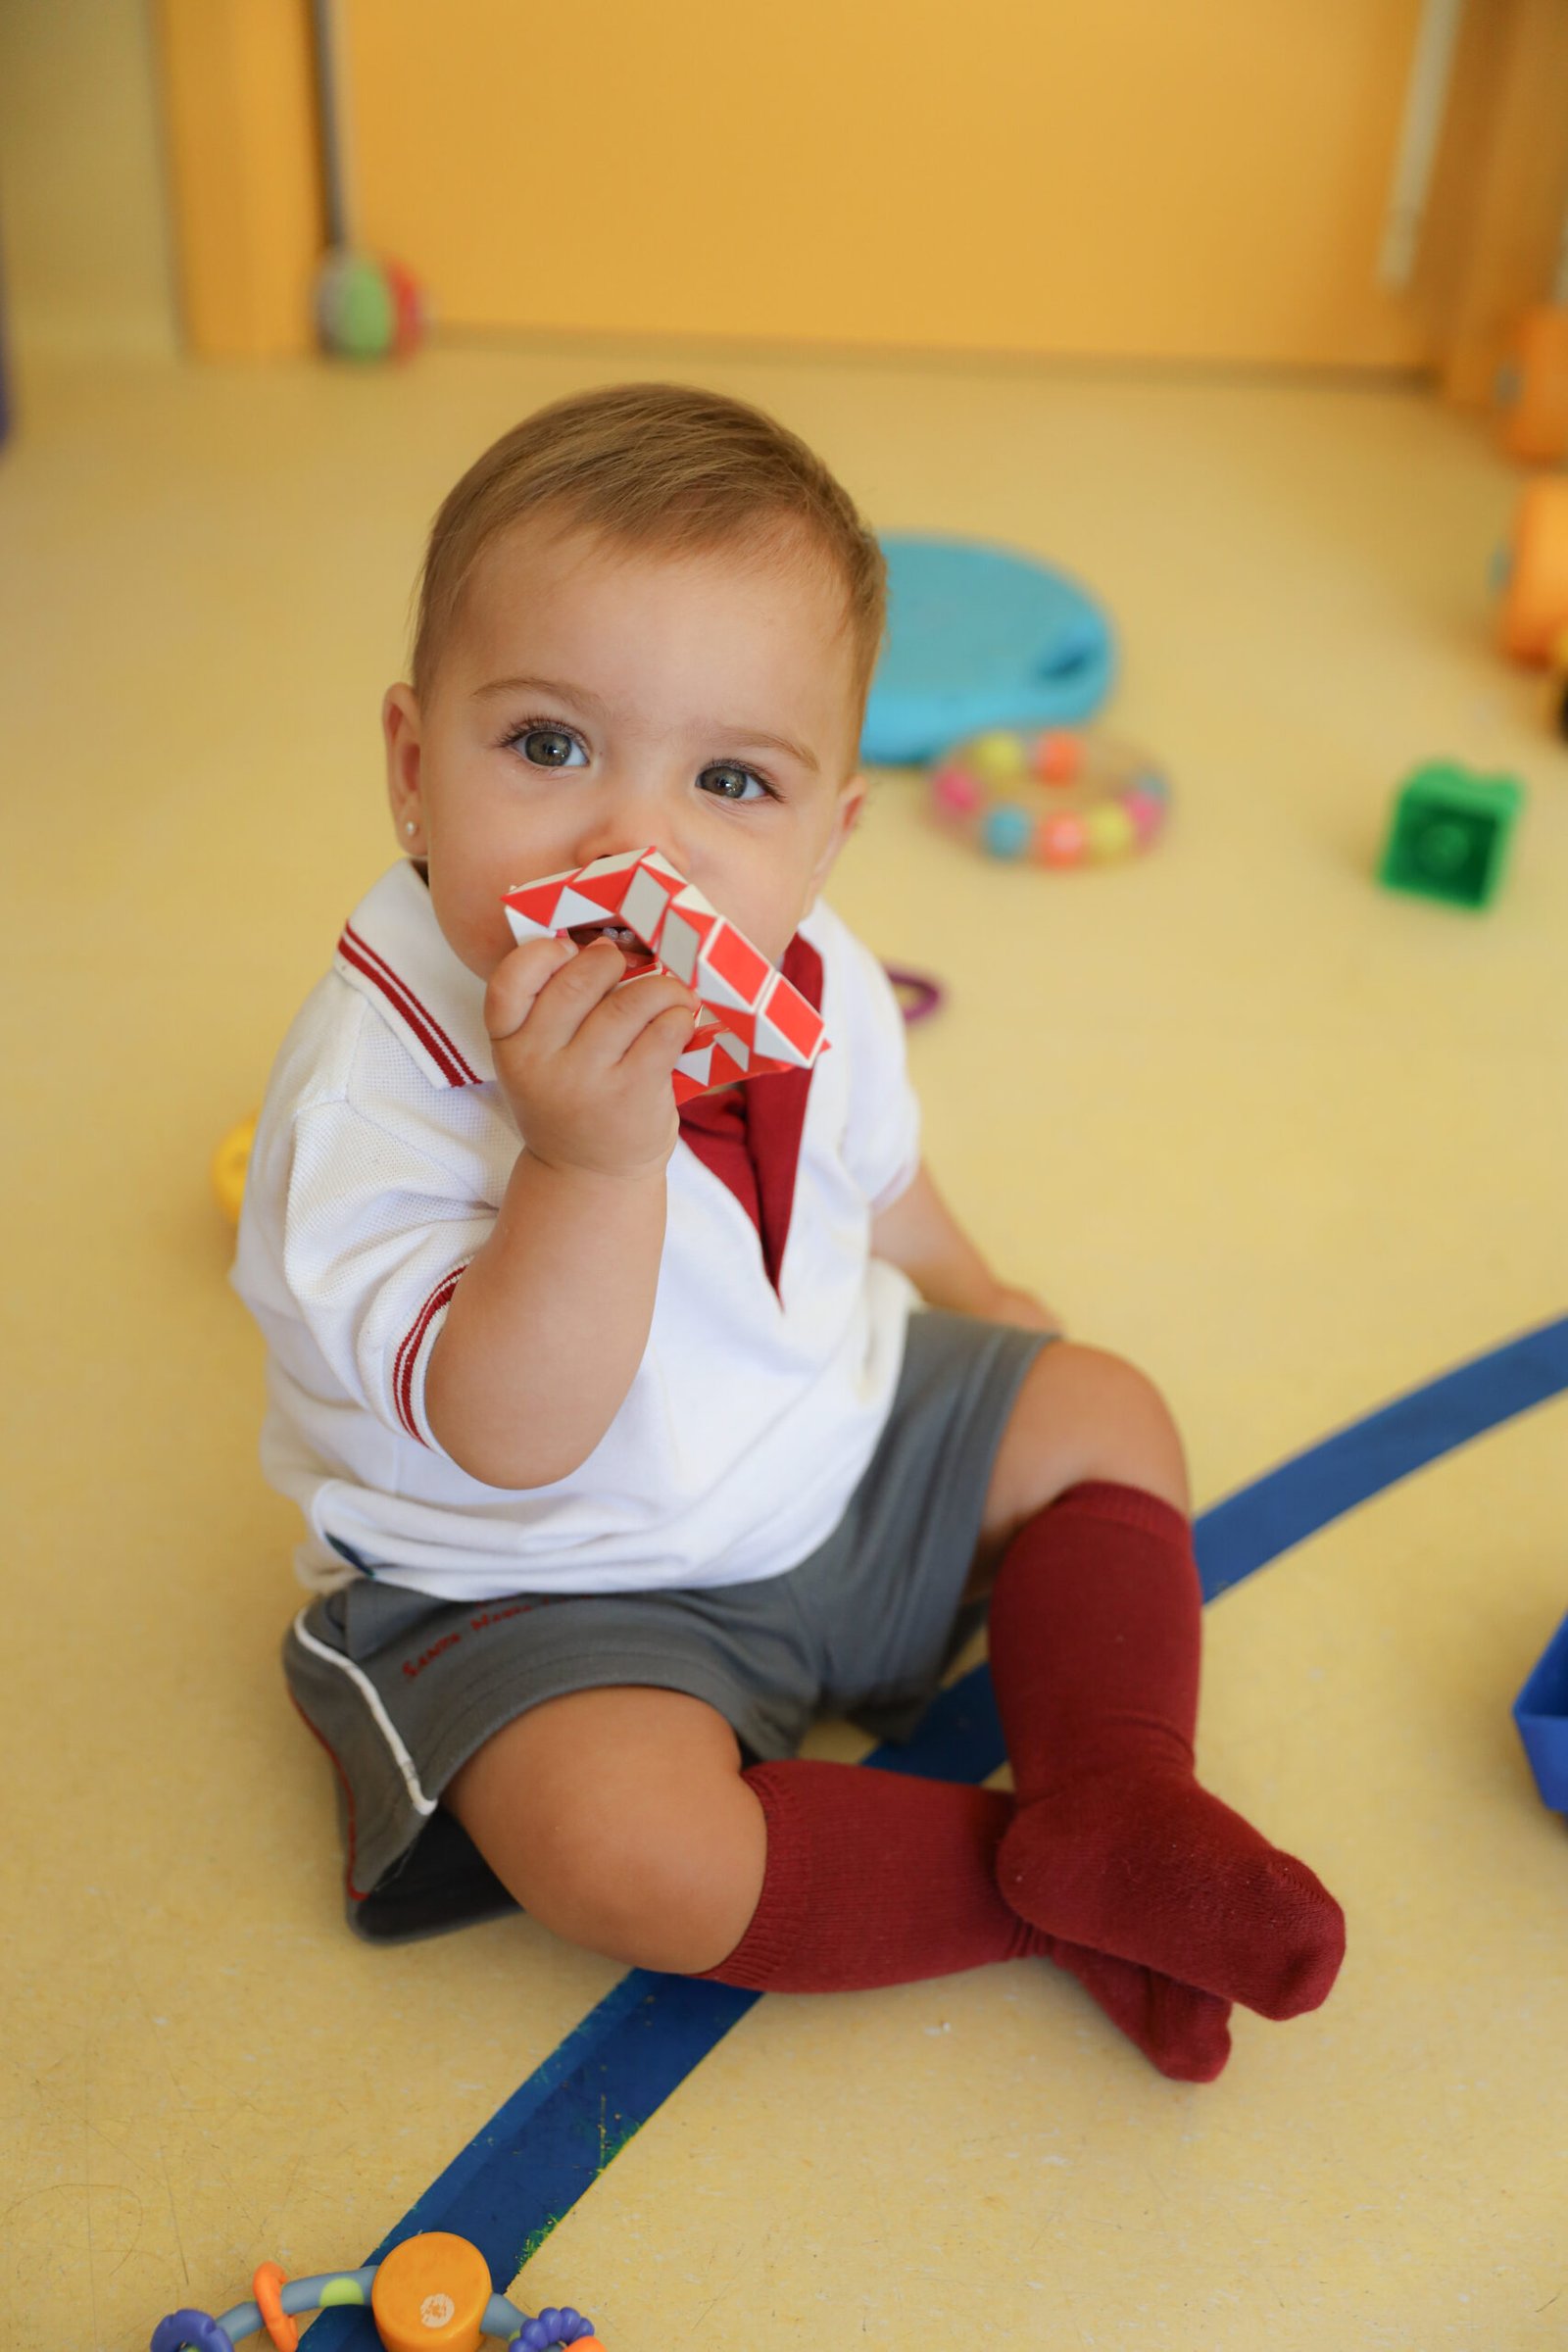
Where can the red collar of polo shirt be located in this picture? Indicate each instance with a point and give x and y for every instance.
(756, 1129)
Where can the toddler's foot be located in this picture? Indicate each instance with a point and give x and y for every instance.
(1183, 2031)
(1147, 1865)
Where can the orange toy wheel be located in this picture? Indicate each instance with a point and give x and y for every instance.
(429, 2294)
(1535, 605)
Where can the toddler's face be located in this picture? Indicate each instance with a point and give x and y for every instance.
(591, 701)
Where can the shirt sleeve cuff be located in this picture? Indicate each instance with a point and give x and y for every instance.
(898, 1183)
(413, 1357)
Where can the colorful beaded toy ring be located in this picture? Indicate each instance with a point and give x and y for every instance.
(1053, 799)
(432, 2293)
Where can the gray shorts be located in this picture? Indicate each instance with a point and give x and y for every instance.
(401, 1689)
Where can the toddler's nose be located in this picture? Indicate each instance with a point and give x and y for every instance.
(625, 843)
(631, 813)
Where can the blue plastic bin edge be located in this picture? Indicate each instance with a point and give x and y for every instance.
(1541, 1712)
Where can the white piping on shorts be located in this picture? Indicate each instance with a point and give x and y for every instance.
(373, 1699)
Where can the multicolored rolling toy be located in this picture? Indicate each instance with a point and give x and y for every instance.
(432, 2293)
(1056, 798)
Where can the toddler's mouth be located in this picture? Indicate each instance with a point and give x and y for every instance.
(638, 957)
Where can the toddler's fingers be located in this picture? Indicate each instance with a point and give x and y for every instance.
(519, 979)
(660, 1042)
(574, 990)
(630, 1010)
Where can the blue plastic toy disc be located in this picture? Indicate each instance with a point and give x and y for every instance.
(980, 637)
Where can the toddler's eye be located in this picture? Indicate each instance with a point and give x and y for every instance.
(544, 746)
(733, 782)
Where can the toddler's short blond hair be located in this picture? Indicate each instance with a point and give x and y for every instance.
(665, 467)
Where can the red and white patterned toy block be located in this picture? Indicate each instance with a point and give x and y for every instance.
(758, 1022)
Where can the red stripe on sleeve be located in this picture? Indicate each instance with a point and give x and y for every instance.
(408, 1354)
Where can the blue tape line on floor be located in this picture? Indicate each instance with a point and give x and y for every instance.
(1253, 1527)
(540, 2152)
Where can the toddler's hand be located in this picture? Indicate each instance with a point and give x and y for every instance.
(584, 1062)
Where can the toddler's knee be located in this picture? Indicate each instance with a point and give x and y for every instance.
(652, 1893)
(1128, 1433)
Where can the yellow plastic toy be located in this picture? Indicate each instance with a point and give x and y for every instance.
(229, 1162)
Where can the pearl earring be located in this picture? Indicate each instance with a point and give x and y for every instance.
(409, 826)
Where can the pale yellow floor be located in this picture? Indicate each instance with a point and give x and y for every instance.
(1291, 1142)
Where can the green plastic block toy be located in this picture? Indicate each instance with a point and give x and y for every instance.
(1449, 834)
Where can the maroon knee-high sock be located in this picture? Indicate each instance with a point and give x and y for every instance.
(1095, 1639)
(877, 1878)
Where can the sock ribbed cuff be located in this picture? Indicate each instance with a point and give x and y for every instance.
(873, 1878)
(774, 1927)
(1132, 1506)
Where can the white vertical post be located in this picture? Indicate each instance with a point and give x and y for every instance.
(1426, 99)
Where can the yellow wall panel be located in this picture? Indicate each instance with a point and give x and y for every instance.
(240, 104)
(1203, 180)
(82, 217)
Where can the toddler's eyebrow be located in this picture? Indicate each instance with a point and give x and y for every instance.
(592, 702)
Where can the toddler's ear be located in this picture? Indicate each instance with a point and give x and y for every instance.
(400, 730)
(846, 816)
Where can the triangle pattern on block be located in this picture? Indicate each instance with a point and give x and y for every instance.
(524, 926)
(731, 971)
(620, 862)
(700, 912)
(777, 1047)
(752, 1020)
(536, 901)
(606, 891)
(787, 1026)
(643, 904)
(680, 947)
(745, 967)
(573, 908)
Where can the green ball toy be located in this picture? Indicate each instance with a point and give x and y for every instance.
(367, 309)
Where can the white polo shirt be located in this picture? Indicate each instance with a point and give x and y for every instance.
(382, 1155)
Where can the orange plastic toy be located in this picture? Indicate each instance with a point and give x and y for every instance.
(267, 2287)
(1532, 390)
(430, 2295)
(1535, 603)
